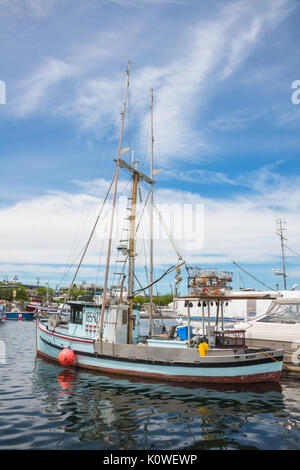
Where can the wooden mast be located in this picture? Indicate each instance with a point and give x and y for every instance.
(136, 176)
(131, 254)
(114, 202)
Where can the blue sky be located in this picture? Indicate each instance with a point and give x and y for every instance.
(226, 130)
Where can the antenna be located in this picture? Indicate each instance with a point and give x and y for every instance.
(281, 228)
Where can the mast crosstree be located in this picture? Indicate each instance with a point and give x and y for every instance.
(136, 176)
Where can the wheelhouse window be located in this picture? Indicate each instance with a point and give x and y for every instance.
(76, 315)
(77, 318)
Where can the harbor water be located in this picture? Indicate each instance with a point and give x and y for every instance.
(45, 406)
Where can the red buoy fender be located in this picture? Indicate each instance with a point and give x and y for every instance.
(66, 357)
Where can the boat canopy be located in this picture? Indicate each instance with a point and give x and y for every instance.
(286, 301)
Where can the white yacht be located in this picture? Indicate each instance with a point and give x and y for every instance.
(279, 326)
(254, 306)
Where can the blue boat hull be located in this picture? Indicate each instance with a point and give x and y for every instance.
(259, 370)
(16, 315)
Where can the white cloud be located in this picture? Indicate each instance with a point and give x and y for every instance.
(36, 88)
(54, 229)
(199, 176)
(214, 51)
(258, 17)
(263, 180)
(236, 121)
(210, 51)
(39, 9)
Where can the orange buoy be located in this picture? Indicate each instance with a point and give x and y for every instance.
(66, 357)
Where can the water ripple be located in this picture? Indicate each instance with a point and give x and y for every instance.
(44, 406)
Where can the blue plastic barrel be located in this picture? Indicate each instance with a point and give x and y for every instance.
(183, 332)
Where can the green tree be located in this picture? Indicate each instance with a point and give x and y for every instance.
(163, 300)
(21, 293)
(75, 292)
(45, 293)
(7, 294)
(139, 299)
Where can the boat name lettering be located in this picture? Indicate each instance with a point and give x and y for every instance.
(90, 317)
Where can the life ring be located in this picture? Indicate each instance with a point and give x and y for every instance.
(204, 290)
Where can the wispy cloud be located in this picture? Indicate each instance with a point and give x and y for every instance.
(198, 176)
(261, 180)
(37, 88)
(36, 8)
(236, 121)
(214, 50)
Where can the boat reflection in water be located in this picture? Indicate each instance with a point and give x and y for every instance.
(111, 412)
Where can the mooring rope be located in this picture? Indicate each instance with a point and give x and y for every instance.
(296, 369)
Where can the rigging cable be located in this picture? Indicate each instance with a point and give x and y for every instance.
(88, 242)
(253, 277)
(293, 251)
(245, 271)
(158, 279)
(80, 225)
(167, 232)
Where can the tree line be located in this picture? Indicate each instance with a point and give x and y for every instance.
(76, 293)
(161, 300)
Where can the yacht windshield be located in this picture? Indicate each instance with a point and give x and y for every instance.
(285, 313)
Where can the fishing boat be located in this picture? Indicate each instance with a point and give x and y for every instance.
(46, 310)
(33, 305)
(18, 312)
(106, 338)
